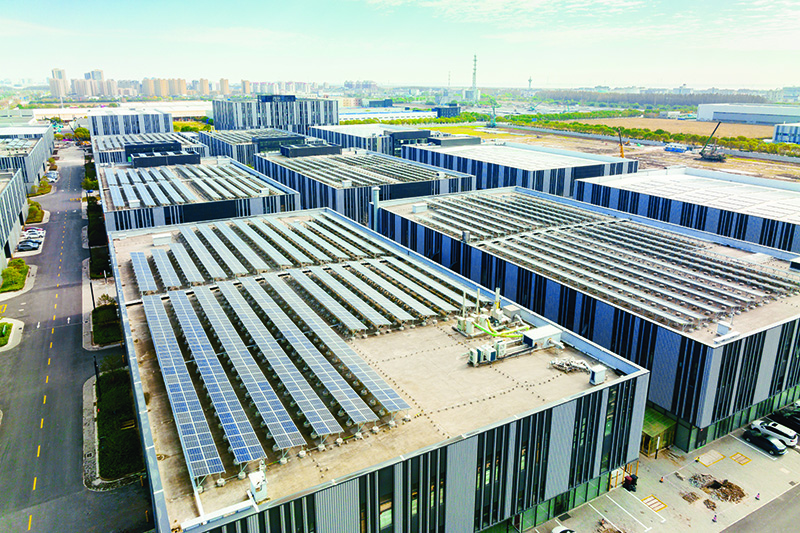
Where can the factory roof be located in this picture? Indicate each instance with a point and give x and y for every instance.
(123, 111)
(14, 131)
(247, 136)
(16, 147)
(351, 310)
(361, 169)
(213, 180)
(771, 199)
(366, 130)
(684, 283)
(523, 156)
(106, 143)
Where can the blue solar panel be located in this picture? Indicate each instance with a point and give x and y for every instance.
(349, 234)
(412, 286)
(349, 399)
(187, 266)
(366, 310)
(144, 276)
(288, 247)
(169, 278)
(202, 253)
(438, 283)
(201, 454)
(158, 195)
(241, 437)
(269, 406)
(301, 244)
(222, 251)
(258, 264)
(321, 420)
(327, 301)
(382, 392)
(261, 243)
(360, 285)
(111, 177)
(116, 197)
(330, 249)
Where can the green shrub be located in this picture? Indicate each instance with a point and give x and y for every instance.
(105, 324)
(35, 213)
(120, 452)
(14, 275)
(5, 333)
(98, 262)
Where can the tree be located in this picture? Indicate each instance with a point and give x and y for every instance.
(82, 134)
(190, 128)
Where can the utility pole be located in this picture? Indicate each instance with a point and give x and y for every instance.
(475, 78)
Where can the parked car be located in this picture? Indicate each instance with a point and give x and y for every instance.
(30, 241)
(562, 529)
(787, 417)
(771, 445)
(27, 247)
(773, 429)
(32, 237)
(33, 228)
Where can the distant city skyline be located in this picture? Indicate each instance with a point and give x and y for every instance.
(559, 43)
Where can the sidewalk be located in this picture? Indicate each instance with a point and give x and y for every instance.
(100, 287)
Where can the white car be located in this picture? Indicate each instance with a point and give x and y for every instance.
(773, 429)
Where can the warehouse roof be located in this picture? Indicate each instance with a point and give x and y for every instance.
(367, 130)
(14, 131)
(771, 199)
(309, 278)
(684, 283)
(16, 147)
(523, 156)
(104, 143)
(247, 136)
(360, 168)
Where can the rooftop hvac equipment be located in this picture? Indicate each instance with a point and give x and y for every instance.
(441, 175)
(346, 184)
(723, 328)
(258, 486)
(542, 337)
(597, 374)
(419, 208)
(162, 239)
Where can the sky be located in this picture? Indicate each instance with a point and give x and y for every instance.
(557, 43)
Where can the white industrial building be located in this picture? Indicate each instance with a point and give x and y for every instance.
(123, 121)
(748, 113)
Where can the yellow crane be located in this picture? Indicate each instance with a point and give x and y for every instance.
(621, 149)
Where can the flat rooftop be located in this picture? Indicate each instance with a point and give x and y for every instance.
(683, 283)
(771, 200)
(107, 143)
(13, 131)
(212, 180)
(525, 157)
(291, 321)
(361, 169)
(247, 136)
(115, 111)
(16, 147)
(367, 130)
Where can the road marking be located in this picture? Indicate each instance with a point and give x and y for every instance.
(48, 361)
(755, 448)
(38, 449)
(56, 295)
(41, 424)
(38, 324)
(740, 458)
(52, 330)
(603, 516)
(57, 284)
(654, 503)
(627, 513)
(30, 519)
(62, 253)
(3, 308)
(47, 379)
(44, 400)
(34, 483)
(55, 306)
(51, 344)
(710, 457)
(54, 318)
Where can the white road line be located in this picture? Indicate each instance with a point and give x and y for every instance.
(629, 514)
(640, 501)
(603, 516)
(756, 448)
(38, 324)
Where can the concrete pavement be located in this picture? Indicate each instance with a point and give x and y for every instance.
(41, 448)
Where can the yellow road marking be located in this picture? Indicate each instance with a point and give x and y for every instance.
(57, 284)
(56, 295)
(38, 449)
(30, 518)
(55, 306)
(47, 379)
(3, 308)
(48, 361)
(34, 483)
(54, 317)
(52, 330)
(51, 344)
(44, 400)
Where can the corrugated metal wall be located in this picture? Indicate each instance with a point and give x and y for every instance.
(460, 494)
(337, 508)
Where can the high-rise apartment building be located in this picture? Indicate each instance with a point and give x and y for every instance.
(177, 86)
(203, 87)
(83, 87)
(224, 89)
(246, 87)
(58, 83)
(162, 87)
(285, 112)
(148, 87)
(96, 75)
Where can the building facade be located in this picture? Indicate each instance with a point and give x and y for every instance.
(242, 145)
(117, 149)
(748, 113)
(284, 112)
(13, 210)
(387, 139)
(126, 121)
(509, 164)
(708, 379)
(756, 210)
(27, 154)
(787, 133)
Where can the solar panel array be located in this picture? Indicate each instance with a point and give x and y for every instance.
(222, 251)
(241, 438)
(203, 255)
(143, 274)
(202, 457)
(169, 278)
(187, 266)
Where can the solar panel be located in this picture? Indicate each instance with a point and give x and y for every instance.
(313, 408)
(116, 197)
(223, 252)
(413, 286)
(366, 310)
(297, 241)
(332, 250)
(395, 291)
(135, 177)
(350, 234)
(111, 177)
(211, 193)
(187, 266)
(185, 191)
(348, 399)
(440, 282)
(130, 195)
(158, 195)
(122, 177)
(144, 276)
(343, 244)
(289, 248)
(202, 253)
(390, 400)
(241, 437)
(169, 278)
(327, 301)
(261, 243)
(202, 457)
(238, 244)
(360, 285)
(275, 416)
(143, 193)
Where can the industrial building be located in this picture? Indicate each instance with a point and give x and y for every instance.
(447, 111)
(503, 164)
(118, 149)
(344, 180)
(283, 112)
(128, 121)
(13, 210)
(384, 114)
(787, 133)
(299, 372)
(756, 210)
(145, 196)
(241, 145)
(383, 138)
(29, 154)
(35, 131)
(767, 114)
(716, 325)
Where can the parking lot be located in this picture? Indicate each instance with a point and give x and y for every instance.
(729, 478)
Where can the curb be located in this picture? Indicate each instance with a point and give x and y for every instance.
(18, 327)
(28, 285)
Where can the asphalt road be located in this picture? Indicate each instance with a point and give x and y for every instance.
(41, 380)
(778, 515)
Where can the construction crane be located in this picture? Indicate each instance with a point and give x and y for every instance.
(713, 153)
(621, 149)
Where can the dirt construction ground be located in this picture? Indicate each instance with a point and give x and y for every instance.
(649, 157)
(750, 131)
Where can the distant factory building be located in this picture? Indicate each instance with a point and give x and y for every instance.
(241, 145)
(127, 121)
(744, 208)
(284, 112)
(767, 114)
(787, 133)
(382, 138)
(344, 181)
(27, 149)
(385, 114)
(119, 148)
(447, 111)
(502, 164)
